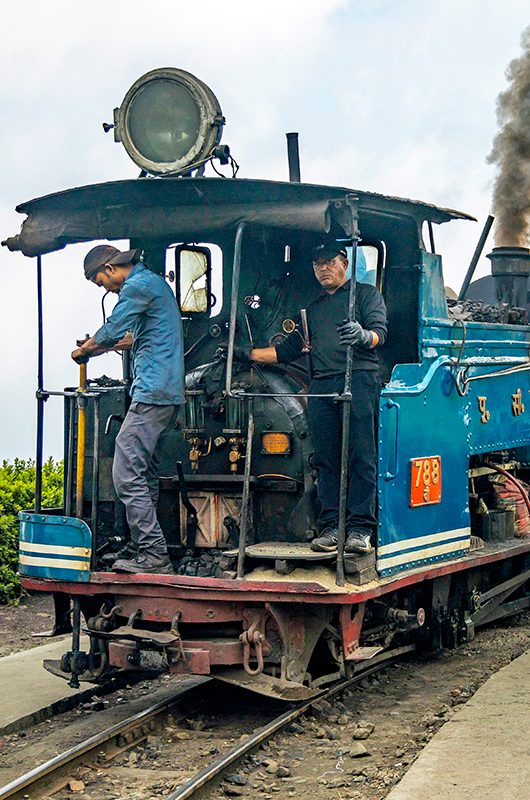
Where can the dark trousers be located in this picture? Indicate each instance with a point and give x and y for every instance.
(325, 425)
(135, 471)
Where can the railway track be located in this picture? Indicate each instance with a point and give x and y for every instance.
(53, 775)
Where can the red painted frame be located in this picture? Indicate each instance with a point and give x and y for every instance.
(214, 590)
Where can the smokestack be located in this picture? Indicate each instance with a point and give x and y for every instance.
(293, 157)
(510, 267)
(511, 154)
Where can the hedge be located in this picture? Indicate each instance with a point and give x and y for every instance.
(17, 492)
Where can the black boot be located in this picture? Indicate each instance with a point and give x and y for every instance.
(127, 551)
(145, 562)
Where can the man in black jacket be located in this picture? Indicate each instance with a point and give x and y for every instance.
(330, 334)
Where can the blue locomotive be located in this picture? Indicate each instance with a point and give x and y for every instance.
(249, 601)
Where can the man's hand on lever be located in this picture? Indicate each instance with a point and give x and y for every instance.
(243, 354)
(88, 348)
(246, 355)
(259, 355)
(352, 333)
(85, 348)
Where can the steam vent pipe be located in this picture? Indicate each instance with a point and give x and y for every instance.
(510, 267)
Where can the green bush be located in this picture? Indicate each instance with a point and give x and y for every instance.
(17, 492)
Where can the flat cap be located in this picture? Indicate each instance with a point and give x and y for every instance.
(103, 254)
(329, 250)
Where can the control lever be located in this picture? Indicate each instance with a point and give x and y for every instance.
(192, 521)
(112, 542)
(233, 531)
(110, 419)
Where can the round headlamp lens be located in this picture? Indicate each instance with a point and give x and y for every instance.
(164, 121)
(169, 122)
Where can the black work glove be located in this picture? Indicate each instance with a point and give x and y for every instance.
(241, 354)
(352, 333)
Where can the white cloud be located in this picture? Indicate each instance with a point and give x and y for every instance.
(391, 96)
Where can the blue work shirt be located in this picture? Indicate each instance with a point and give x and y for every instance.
(148, 308)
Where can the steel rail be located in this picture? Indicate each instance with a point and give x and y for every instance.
(40, 778)
(215, 770)
(49, 777)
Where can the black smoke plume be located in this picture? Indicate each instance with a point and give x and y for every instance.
(511, 154)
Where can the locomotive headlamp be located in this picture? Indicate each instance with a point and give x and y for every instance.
(169, 122)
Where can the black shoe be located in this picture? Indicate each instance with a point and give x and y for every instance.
(327, 541)
(125, 552)
(358, 542)
(145, 562)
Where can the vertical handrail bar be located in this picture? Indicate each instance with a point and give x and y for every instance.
(81, 440)
(346, 407)
(95, 481)
(236, 270)
(243, 523)
(40, 398)
(69, 459)
(76, 640)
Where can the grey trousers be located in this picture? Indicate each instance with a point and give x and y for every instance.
(135, 471)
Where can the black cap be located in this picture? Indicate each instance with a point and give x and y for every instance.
(328, 250)
(103, 254)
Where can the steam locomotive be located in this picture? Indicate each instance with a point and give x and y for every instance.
(250, 603)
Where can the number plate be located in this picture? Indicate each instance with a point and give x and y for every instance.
(425, 481)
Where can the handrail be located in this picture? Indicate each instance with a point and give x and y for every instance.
(233, 307)
(245, 499)
(42, 396)
(346, 408)
(390, 475)
(462, 381)
(40, 383)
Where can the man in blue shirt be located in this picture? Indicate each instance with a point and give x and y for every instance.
(147, 318)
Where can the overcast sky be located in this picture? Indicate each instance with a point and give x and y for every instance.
(393, 96)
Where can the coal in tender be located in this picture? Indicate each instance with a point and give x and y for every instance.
(479, 311)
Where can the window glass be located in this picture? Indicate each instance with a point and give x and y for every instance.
(193, 283)
(366, 266)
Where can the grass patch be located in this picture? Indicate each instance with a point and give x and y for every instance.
(17, 493)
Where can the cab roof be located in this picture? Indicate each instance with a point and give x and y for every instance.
(194, 209)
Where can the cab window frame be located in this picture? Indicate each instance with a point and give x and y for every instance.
(208, 274)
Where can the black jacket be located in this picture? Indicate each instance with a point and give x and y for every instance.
(324, 314)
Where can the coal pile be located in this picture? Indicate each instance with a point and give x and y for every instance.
(478, 311)
(204, 566)
(105, 382)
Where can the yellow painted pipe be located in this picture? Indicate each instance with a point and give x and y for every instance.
(81, 431)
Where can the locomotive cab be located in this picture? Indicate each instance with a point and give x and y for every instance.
(237, 500)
